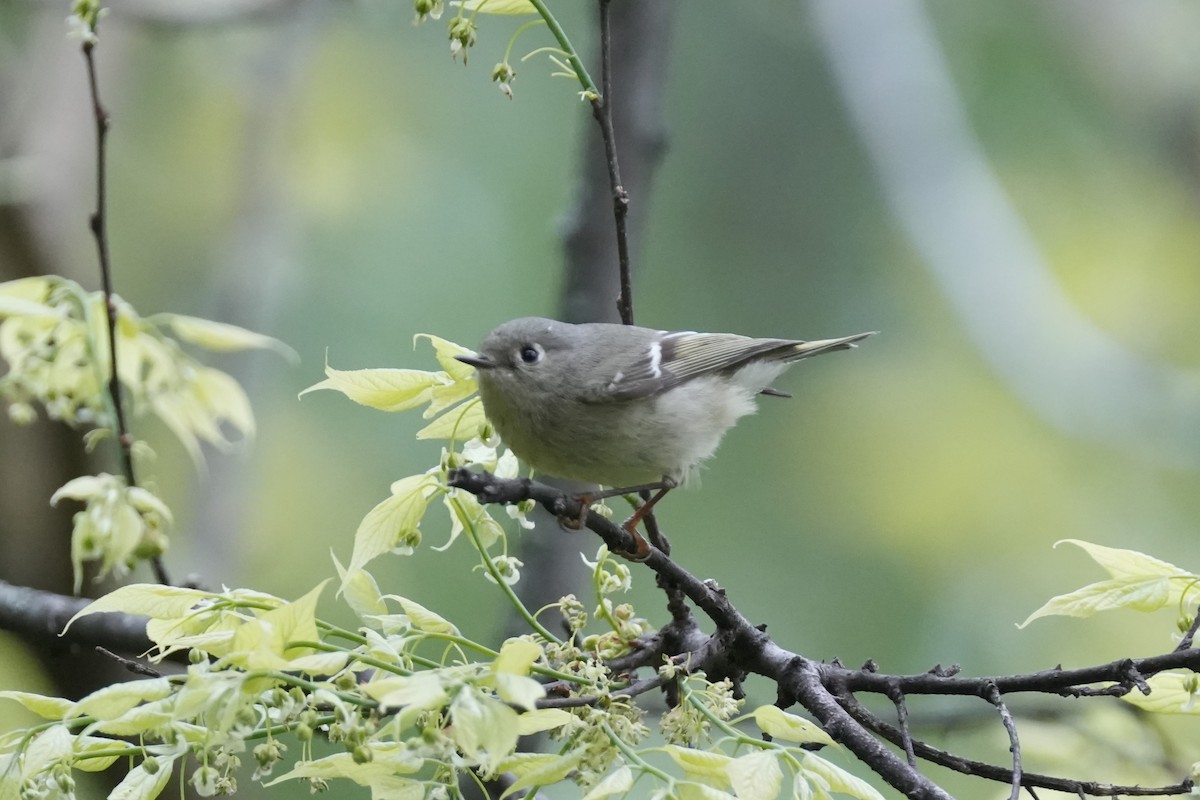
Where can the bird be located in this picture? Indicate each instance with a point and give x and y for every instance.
(624, 406)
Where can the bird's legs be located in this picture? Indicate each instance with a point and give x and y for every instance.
(641, 548)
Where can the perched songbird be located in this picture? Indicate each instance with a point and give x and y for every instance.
(625, 406)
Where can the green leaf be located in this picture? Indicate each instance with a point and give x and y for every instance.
(756, 776)
(380, 774)
(1128, 564)
(220, 336)
(360, 590)
(539, 769)
(619, 781)
(266, 642)
(483, 728)
(700, 763)
(838, 779)
(423, 619)
(1147, 595)
(152, 600)
(543, 719)
(1170, 693)
(393, 521)
(382, 389)
(459, 423)
(521, 691)
(423, 691)
(782, 725)
(113, 701)
(445, 352)
(517, 656)
(141, 784)
(1138, 581)
(45, 707)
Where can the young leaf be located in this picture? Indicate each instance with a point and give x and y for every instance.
(392, 522)
(147, 599)
(618, 782)
(113, 701)
(382, 389)
(45, 707)
(220, 336)
(756, 776)
(782, 725)
(1170, 693)
(543, 719)
(500, 6)
(143, 784)
(700, 763)
(460, 423)
(445, 352)
(838, 779)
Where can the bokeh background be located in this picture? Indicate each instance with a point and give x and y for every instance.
(1009, 193)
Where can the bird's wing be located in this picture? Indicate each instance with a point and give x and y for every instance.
(677, 357)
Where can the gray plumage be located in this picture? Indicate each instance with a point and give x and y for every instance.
(621, 405)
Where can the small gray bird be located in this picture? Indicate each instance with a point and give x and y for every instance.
(625, 406)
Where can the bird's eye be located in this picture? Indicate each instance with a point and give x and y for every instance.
(531, 354)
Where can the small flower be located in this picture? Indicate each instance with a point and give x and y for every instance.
(427, 8)
(508, 568)
(205, 780)
(518, 512)
(503, 74)
(462, 37)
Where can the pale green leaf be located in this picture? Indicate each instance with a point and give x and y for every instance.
(360, 590)
(393, 521)
(782, 725)
(483, 728)
(45, 707)
(48, 747)
(521, 691)
(1147, 595)
(266, 642)
(619, 781)
(1170, 693)
(221, 336)
(141, 784)
(424, 690)
(113, 701)
(147, 599)
(423, 619)
(380, 774)
(35, 289)
(85, 746)
(500, 6)
(543, 719)
(1128, 565)
(539, 769)
(382, 389)
(445, 351)
(460, 423)
(517, 656)
(700, 763)
(838, 779)
(756, 776)
(136, 721)
(700, 791)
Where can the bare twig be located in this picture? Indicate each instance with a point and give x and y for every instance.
(1014, 743)
(602, 110)
(99, 226)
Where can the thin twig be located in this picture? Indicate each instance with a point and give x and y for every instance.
(99, 226)
(1014, 744)
(602, 110)
(136, 667)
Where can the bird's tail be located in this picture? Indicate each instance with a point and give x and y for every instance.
(818, 346)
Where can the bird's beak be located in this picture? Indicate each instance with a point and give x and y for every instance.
(477, 361)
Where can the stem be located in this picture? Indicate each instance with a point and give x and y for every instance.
(581, 73)
(99, 226)
(530, 619)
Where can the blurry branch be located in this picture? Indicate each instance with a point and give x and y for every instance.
(937, 180)
(41, 616)
(829, 691)
(99, 226)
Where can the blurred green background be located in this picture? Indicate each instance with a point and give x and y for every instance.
(322, 172)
